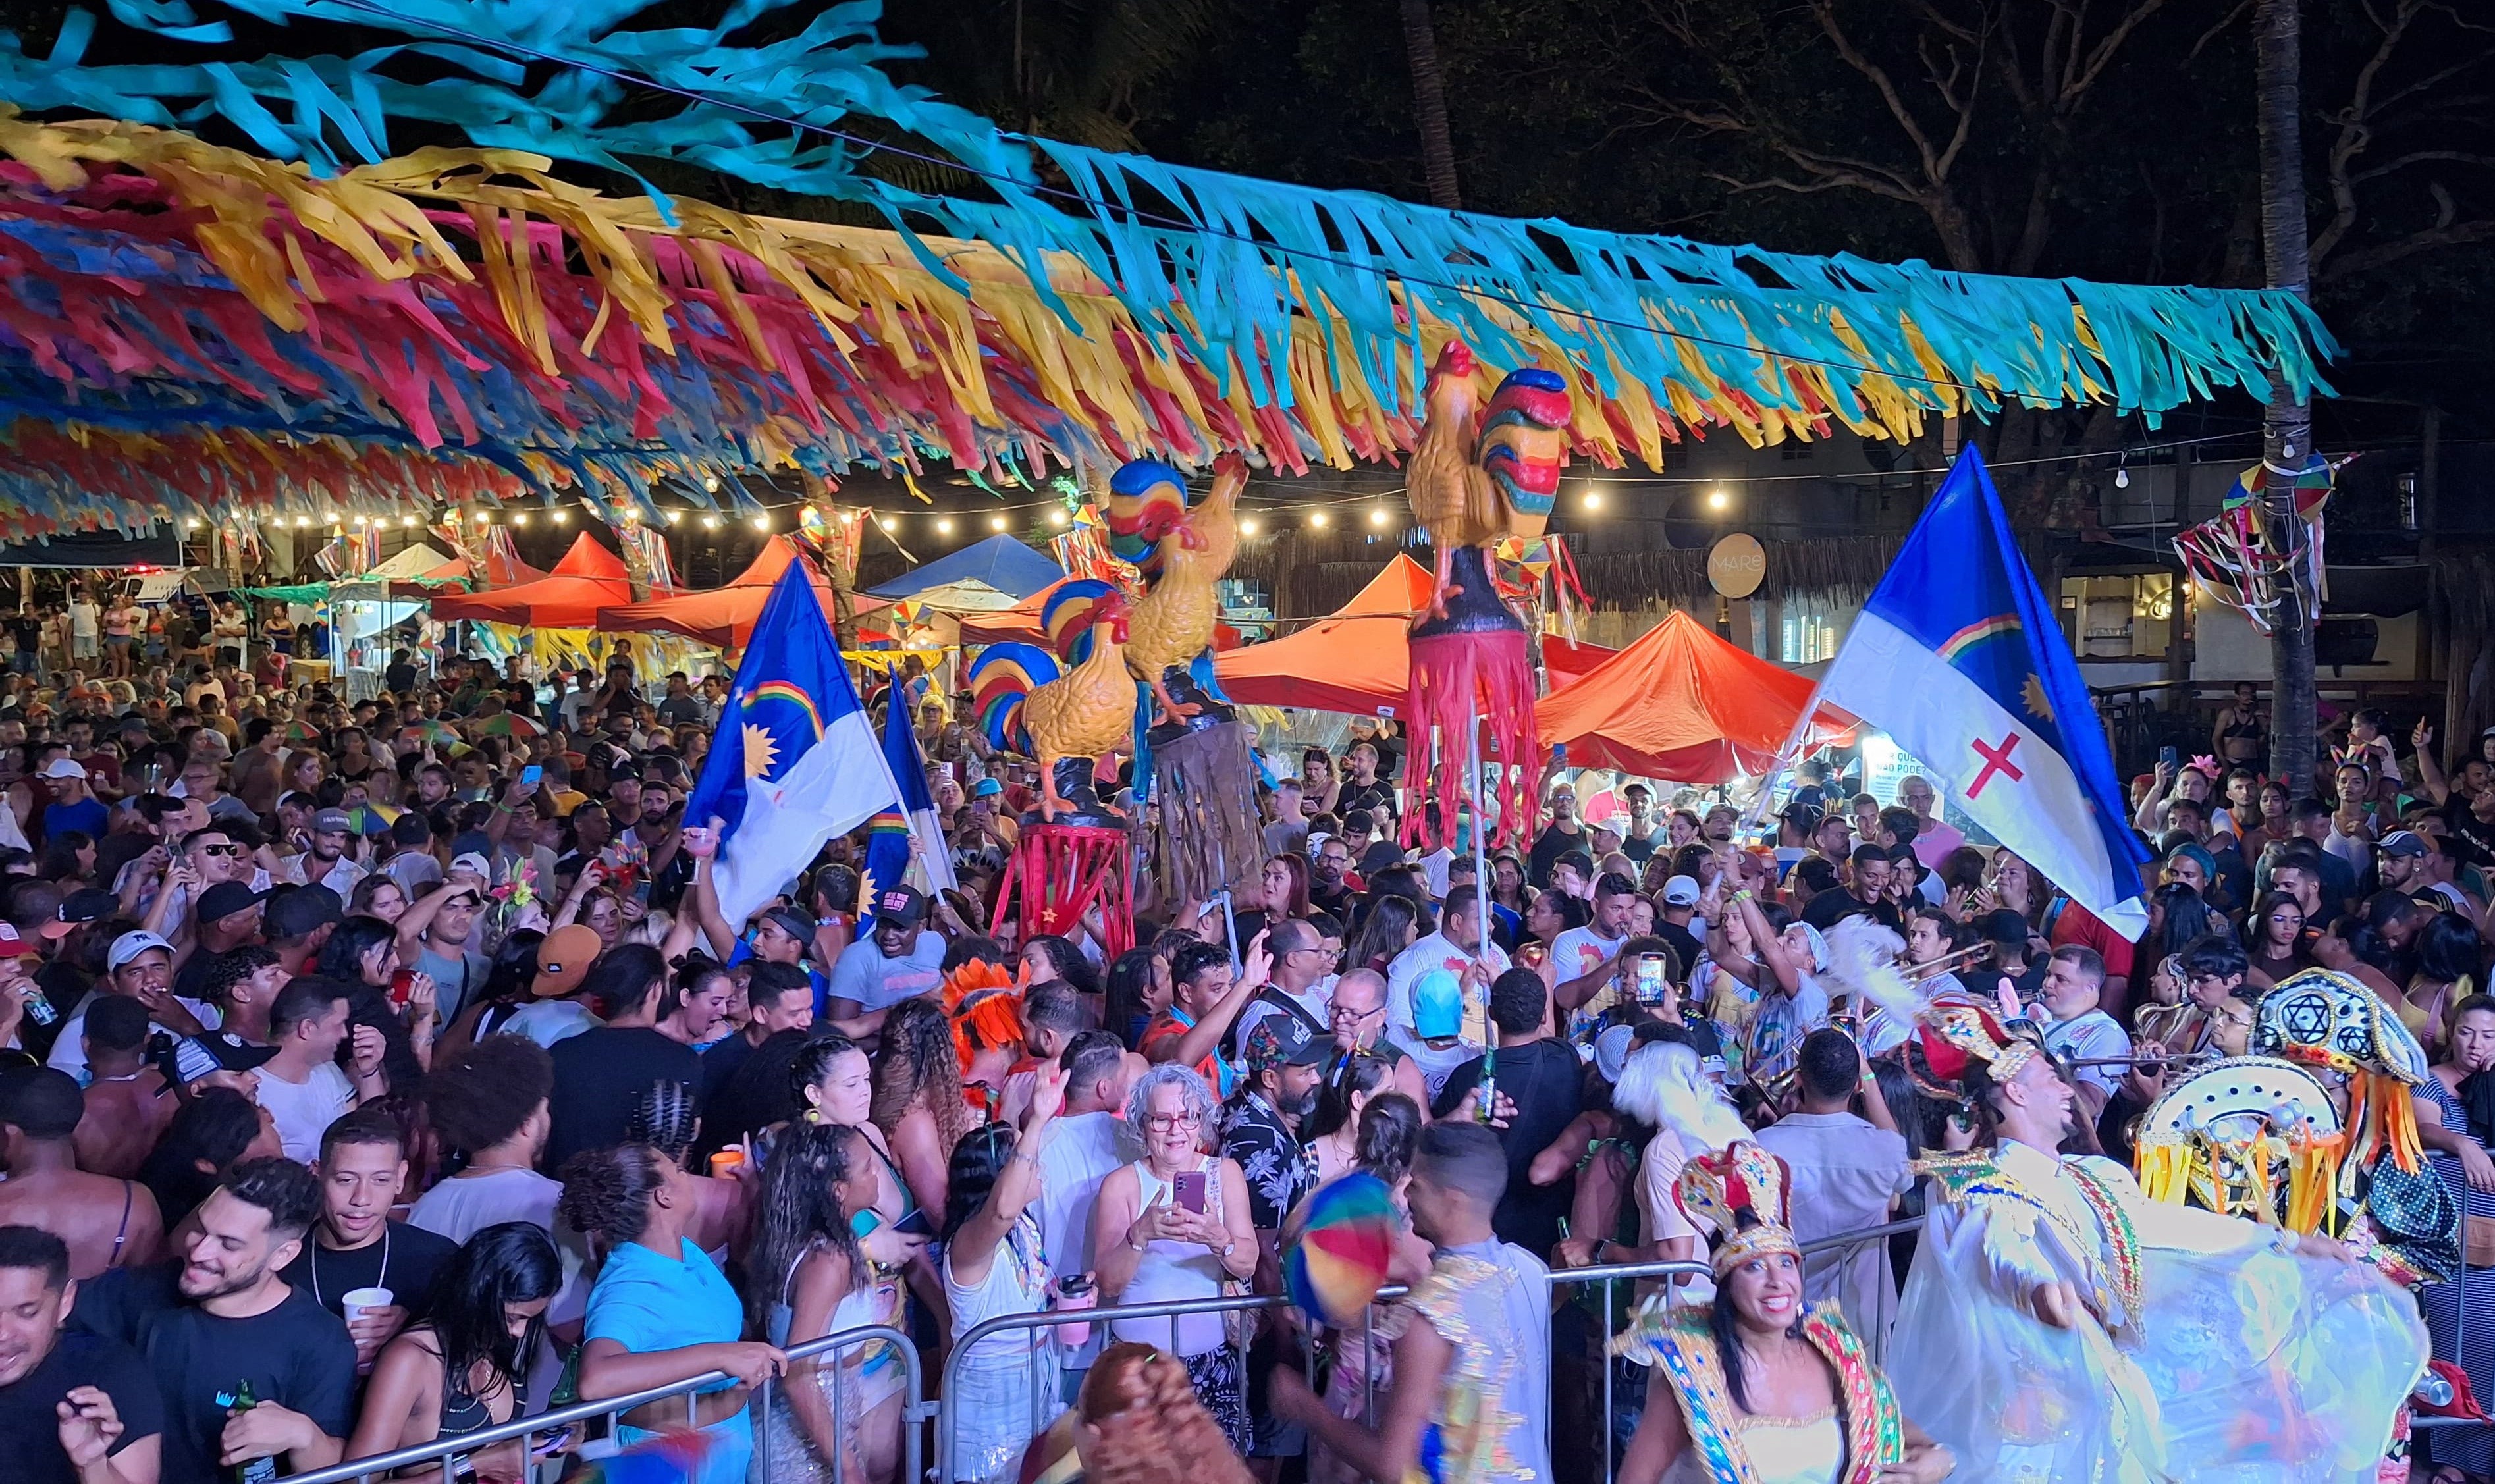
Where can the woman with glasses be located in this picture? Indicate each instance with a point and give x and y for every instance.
(1174, 1225)
(995, 1265)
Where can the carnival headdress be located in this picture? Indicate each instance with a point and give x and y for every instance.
(1954, 1033)
(2328, 1020)
(1745, 1194)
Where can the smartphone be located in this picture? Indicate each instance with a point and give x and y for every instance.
(2169, 757)
(915, 1224)
(1651, 982)
(532, 773)
(553, 1443)
(1187, 1189)
(1531, 953)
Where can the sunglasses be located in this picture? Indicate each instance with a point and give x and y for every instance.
(221, 850)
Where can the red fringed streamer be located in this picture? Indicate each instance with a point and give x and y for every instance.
(1455, 677)
(1059, 872)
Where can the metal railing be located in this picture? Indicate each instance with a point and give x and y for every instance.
(445, 1453)
(1044, 1406)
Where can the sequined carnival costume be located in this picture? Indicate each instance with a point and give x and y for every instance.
(1744, 1190)
(2207, 1348)
(1490, 1302)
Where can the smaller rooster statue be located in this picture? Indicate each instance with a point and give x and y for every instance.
(1066, 709)
(1192, 751)
(1479, 473)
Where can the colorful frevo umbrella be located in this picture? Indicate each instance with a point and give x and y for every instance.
(1338, 1260)
(433, 729)
(300, 732)
(508, 724)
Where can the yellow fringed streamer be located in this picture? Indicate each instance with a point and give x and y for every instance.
(2400, 1126)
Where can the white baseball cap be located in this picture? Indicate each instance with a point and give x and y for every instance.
(64, 767)
(130, 946)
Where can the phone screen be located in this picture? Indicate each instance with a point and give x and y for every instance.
(532, 773)
(1652, 984)
(1188, 1190)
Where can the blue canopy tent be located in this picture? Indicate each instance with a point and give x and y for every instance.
(984, 577)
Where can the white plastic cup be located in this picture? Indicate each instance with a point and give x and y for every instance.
(357, 1300)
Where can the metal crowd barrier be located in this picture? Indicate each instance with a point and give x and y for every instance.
(917, 1410)
(446, 1453)
(1045, 1405)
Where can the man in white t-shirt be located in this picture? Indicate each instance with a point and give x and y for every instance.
(138, 966)
(2082, 1030)
(86, 626)
(1452, 947)
(302, 1086)
(490, 1103)
(1085, 1143)
(1582, 956)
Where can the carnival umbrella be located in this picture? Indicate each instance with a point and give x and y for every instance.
(433, 729)
(300, 734)
(508, 724)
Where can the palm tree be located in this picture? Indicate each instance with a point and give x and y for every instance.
(1429, 106)
(2287, 423)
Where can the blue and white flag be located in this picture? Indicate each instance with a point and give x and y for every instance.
(908, 822)
(1961, 657)
(794, 760)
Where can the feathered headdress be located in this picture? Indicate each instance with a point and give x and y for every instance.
(986, 1010)
(1862, 963)
(1745, 1194)
(1665, 1085)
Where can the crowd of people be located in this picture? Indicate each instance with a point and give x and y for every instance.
(386, 1070)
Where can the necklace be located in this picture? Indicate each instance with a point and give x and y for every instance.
(380, 1280)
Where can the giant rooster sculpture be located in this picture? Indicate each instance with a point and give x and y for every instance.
(1192, 752)
(1066, 709)
(1479, 473)
(1182, 553)
(1027, 702)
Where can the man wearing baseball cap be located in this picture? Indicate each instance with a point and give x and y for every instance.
(228, 918)
(73, 805)
(324, 859)
(554, 1012)
(2410, 864)
(907, 960)
(138, 966)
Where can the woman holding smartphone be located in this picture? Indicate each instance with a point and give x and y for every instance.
(1174, 1225)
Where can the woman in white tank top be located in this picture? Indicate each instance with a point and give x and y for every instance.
(1155, 1241)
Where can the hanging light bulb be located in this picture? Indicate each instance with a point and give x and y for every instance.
(1248, 527)
(1318, 519)
(675, 518)
(1378, 514)
(1720, 499)
(1058, 518)
(485, 519)
(944, 525)
(710, 522)
(2121, 479)
(302, 523)
(563, 518)
(710, 482)
(519, 517)
(408, 523)
(360, 519)
(996, 522)
(1594, 500)
(762, 520)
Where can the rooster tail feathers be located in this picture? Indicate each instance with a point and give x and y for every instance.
(1069, 614)
(1000, 679)
(1146, 502)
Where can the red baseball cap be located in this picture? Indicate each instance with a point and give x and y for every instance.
(14, 946)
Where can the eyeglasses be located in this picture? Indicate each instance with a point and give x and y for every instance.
(1165, 1122)
(1344, 1013)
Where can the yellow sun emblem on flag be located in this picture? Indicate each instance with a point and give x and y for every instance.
(2031, 695)
(762, 752)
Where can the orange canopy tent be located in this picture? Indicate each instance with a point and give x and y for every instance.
(1357, 659)
(589, 577)
(1682, 704)
(1017, 624)
(724, 617)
